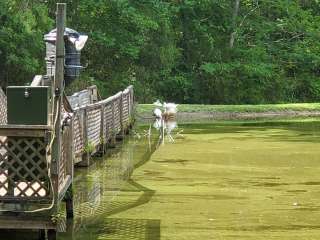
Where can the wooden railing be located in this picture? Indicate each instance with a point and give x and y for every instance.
(65, 173)
(27, 173)
(97, 123)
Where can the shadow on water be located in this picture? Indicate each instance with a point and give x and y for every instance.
(118, 228)
(106, 189)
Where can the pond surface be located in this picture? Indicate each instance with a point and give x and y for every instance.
(218, 181)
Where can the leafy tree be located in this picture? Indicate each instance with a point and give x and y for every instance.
(208, 51)
(22, 25)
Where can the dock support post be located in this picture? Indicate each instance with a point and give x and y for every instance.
(69, 202)
(42, 234)
(102, 131)
(52, 234)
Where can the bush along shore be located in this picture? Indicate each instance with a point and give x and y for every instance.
(193, 112)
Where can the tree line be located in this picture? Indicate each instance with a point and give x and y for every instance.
(187, 51)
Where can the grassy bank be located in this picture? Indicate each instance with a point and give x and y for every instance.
(194, 108)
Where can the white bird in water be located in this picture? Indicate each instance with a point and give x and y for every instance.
(157, 113)
(170, 108)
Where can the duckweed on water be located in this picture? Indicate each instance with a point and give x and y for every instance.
(221, 181)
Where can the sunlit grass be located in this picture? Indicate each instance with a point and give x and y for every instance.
(147, 108)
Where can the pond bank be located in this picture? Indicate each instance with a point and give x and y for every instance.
(195, 116)
(191, 113)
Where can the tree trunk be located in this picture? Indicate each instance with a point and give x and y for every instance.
(234, 22)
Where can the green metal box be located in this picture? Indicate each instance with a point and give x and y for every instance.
(28, 105)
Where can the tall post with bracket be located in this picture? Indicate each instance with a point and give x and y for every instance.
(57, 89)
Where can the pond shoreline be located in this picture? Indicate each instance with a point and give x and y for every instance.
(245, 115)
(216, 115)
(197, 112)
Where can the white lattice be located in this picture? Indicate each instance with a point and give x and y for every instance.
(23, 168)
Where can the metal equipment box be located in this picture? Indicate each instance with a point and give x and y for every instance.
(28, 105)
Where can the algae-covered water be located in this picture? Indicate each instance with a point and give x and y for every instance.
(258, 180)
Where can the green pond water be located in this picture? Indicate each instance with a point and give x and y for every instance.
(258, 180)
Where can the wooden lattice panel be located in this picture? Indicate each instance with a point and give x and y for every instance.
(108, 121)
(80, 99)
(125, 109)
(94, 125)
(131, 100)
(3, 108)
(66, 143)
(63, 159)
(23, 168)
(117, 118)
(78, 143)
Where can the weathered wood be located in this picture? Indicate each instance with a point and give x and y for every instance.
(113, 133)
(30, 162)
(93, 126)
(82, 98)
(96, 123)
(21, 127)
(14, 222)
(85, 161)
(69, 202)
(3, 107)
(58, 88)
(24, 173)
(121, 114)
(70, 156)
(22, 132)
(66, 160)
(64, 187)
(102, 129)
(37, 81)
(93, 93)
(78, 135)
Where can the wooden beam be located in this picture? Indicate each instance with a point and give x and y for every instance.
(57, 100)
(26, 223)
(27, 127)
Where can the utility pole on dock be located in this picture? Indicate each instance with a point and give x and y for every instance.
(58, 88)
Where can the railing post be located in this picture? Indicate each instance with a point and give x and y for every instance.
(121, 114)
(70, 155)
(131, 101)
(86, 155)
(102, 129)
(113, 134)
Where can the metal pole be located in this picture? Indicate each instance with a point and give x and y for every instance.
(58, 88)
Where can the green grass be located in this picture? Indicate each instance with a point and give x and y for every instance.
(148, 108)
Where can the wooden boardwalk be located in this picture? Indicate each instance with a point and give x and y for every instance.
(33, 181)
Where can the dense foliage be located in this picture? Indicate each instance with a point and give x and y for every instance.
(192, 51)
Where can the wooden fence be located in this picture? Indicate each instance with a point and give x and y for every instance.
(98, 123)
(31, 180)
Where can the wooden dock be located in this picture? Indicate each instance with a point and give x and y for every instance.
(37, 161)
(33, 182)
